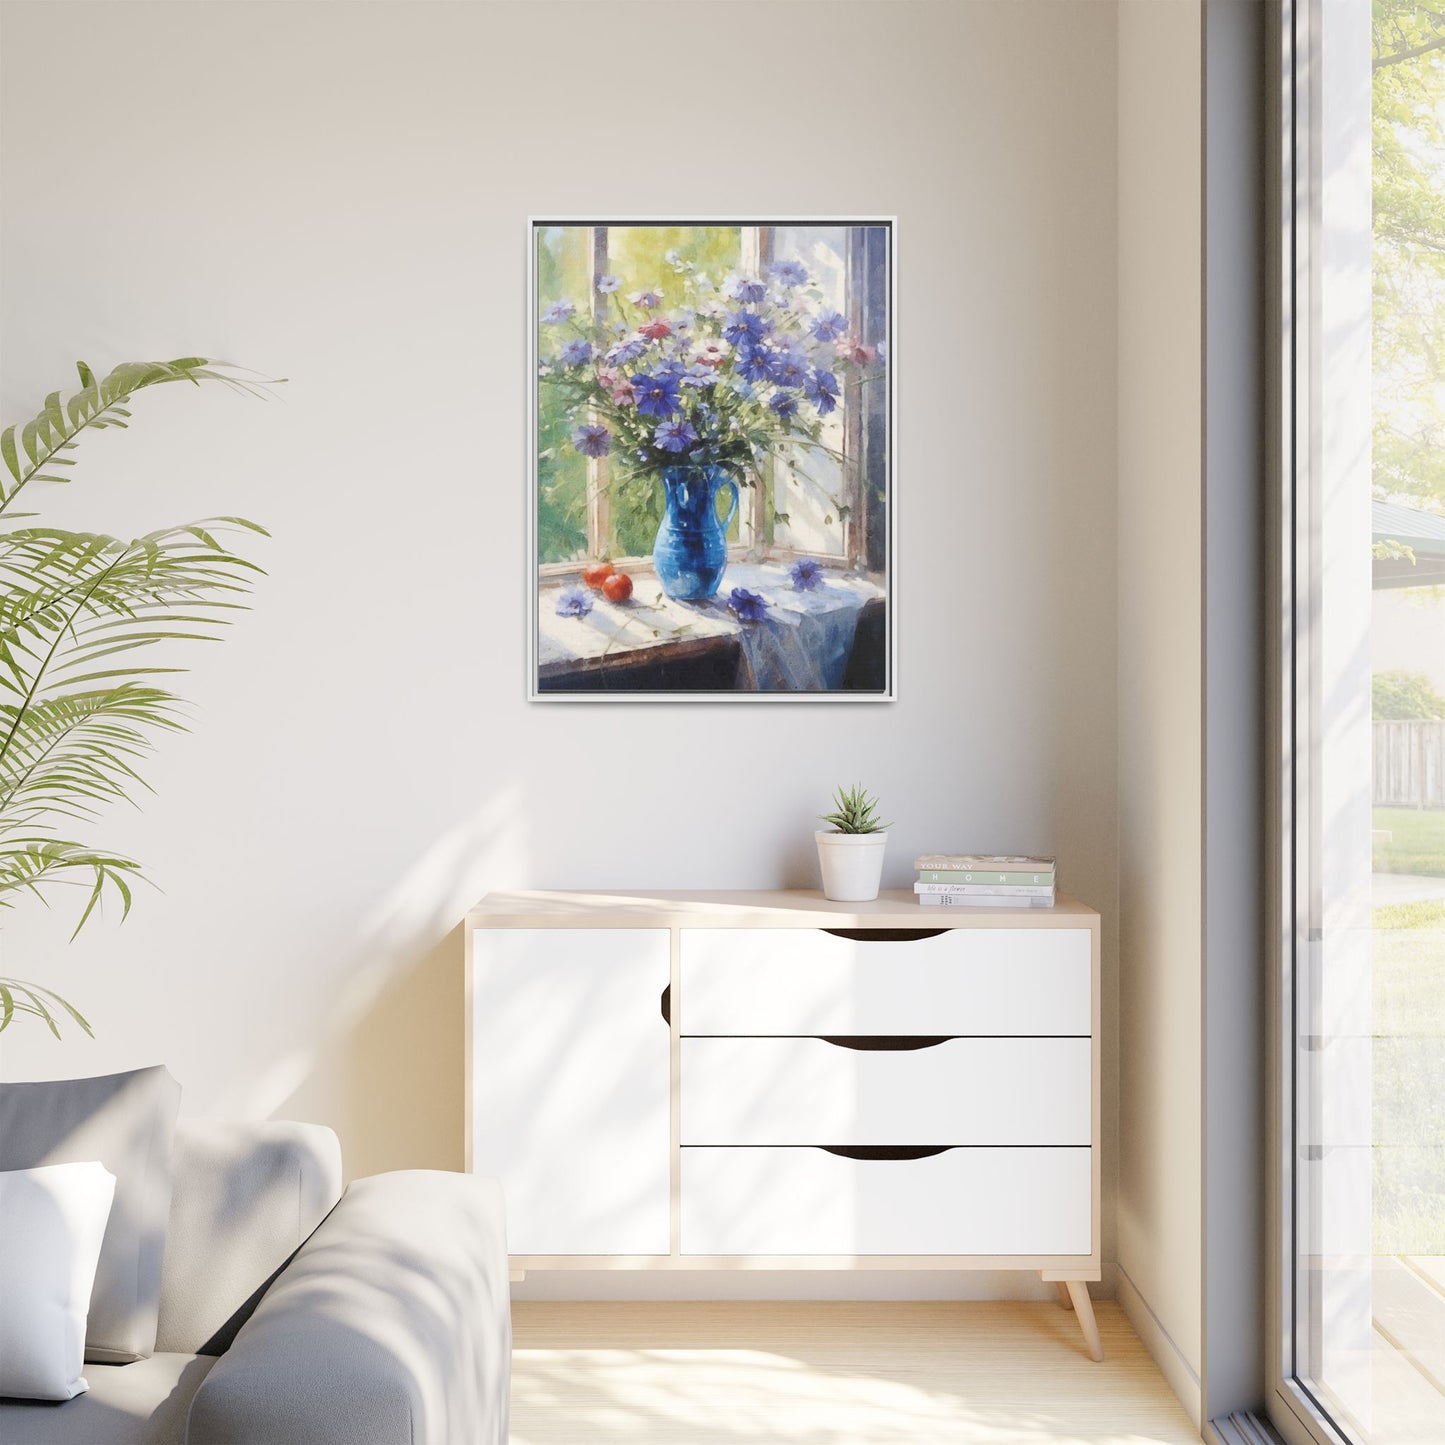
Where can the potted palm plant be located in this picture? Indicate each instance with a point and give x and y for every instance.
(850, 852)
(80, 696)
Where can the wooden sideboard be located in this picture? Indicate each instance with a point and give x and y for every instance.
(717, 1080)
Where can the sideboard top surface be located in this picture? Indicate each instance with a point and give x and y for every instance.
(796, 908)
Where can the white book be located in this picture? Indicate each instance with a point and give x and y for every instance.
(974, 900)
(990, 890)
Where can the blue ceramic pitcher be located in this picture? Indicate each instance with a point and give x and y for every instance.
(691, 552)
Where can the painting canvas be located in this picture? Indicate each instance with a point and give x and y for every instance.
(711, 422)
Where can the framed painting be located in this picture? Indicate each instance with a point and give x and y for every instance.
(711, 424)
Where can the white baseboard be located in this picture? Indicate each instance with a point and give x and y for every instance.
(790, 1285)
(1172, 1363)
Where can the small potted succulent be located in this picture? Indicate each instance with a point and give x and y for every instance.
(850, 850)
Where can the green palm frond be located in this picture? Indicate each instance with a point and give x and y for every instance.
(81, 615)
(19, 997)
(72, 752)
(70, 600)
(29, 864)
(30, 450)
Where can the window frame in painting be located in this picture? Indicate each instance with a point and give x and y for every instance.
(868, 515)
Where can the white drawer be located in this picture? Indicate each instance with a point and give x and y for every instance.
(805, 981)
(961, 1091)
(810, 1202)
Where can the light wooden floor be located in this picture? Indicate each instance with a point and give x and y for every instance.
(832, 1374)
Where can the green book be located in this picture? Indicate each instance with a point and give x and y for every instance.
(1006, 879)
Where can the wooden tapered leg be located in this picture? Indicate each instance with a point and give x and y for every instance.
(1063, 1290)
(1084, 1309)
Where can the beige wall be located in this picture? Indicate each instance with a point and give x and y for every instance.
(338, 193)
(1160, 683)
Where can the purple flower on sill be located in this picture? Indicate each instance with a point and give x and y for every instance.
(657, 395)
(747, 289)
(621, 352)
(745, 327)
(789, 273)
(646, 299)
(574, 602)
(558, 312)
(830, 326)
(784, 404)
(576, 352)
(747, 606)
(608, 284)
(592, 441)
(822, 390)
(882, 350)
(674, 436)
(807, 575)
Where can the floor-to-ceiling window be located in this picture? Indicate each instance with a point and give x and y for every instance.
(1362, 1108)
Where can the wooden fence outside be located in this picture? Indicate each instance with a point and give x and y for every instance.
(1410, 764)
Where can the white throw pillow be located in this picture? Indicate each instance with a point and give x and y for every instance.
(52, 1220)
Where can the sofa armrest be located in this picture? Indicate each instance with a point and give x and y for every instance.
(391, 1324)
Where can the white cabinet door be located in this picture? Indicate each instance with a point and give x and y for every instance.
(804, 981)
(570, 1092)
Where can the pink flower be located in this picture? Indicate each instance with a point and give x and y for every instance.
(857, 352)
(624, 393)
(656, 330)
(608, 376)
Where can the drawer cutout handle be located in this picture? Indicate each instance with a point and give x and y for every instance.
(885, 1151)
(886, 935)
(667, 1005)
(889, 1043)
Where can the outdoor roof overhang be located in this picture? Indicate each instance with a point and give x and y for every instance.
(1422, 532)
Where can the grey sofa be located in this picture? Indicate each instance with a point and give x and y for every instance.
(294, 1314)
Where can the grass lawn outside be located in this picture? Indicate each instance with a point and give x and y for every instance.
(1408, 1107)
(1417, 841)
(1408, 985)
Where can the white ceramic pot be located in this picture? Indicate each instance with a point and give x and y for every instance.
(852, 864)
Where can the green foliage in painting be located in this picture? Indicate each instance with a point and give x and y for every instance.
(676, 356)
(1408, 144)
(81, 696)
(564, 267)
(564, 270)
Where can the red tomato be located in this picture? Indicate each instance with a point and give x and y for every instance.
(598, 573)
(617, 588)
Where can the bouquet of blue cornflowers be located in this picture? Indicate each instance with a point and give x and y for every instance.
(732, 374)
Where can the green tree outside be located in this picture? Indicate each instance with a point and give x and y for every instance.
(1408, 151)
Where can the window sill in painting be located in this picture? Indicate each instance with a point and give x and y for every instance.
(805, 642)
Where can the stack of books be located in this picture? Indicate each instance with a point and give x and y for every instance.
(984, 880)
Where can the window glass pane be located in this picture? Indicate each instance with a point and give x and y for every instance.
(1370, 557)
(564, 273)
(810, 497)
